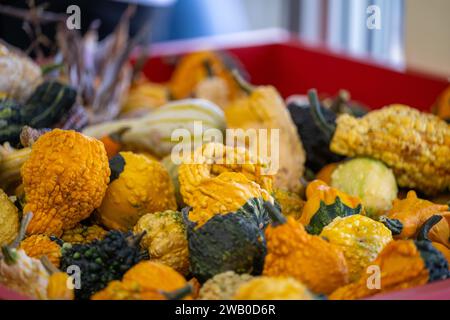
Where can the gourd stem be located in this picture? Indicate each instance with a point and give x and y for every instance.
(426, 227)
(23, 229)
(179, 293)
(243, 84)
(50, 67)
(116, 165)
(342, 98)
(169, 95)
(29, 135)
(275, 214)
(51, 269)
(136, 240)
(208, 68)
(327, 128)
(185, 213)
(116, 136)
(395, 225)
(9, 255)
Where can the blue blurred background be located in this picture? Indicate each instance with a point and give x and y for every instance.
(413, 32)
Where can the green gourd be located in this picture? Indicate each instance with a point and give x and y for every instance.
(327, 213)
(48, 103)
(228, 242)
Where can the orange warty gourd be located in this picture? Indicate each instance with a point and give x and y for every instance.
(39, 245)
(402, 266)
(147, 280)
(292, 252)
(64, 179)
(411, 213)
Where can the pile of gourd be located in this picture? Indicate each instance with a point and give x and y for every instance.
(110, 201)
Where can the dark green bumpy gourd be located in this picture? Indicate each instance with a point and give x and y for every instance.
(234, 241)
(49, 102)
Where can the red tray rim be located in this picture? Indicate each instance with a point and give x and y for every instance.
(439, 290)
(271, 36)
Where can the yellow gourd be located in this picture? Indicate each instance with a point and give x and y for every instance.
(138, 186)
(221, 180)
(273, 288)
(360, 238)
(264, 108)
(324, 203)
(9, 219)
(165, 239)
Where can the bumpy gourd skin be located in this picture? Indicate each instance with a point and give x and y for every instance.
(38, 245)
(9, 219)
(165, 239)
(415, 145)
(83, 234)
(265, 109)
(212, 159)
(360, 238)
(223, 286)
(118, 290)
(273, 288)
(64, 180)
(412, 212)
(233, 241)
(401, 267)
(212, 189)
(291, 204)
(143, 187)
(292, 252)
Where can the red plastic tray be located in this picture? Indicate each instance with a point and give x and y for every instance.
(278, 59)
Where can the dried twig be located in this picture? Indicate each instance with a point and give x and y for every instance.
(33, 18)
(44, 17)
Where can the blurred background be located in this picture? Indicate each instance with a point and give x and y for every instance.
(413, 33)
